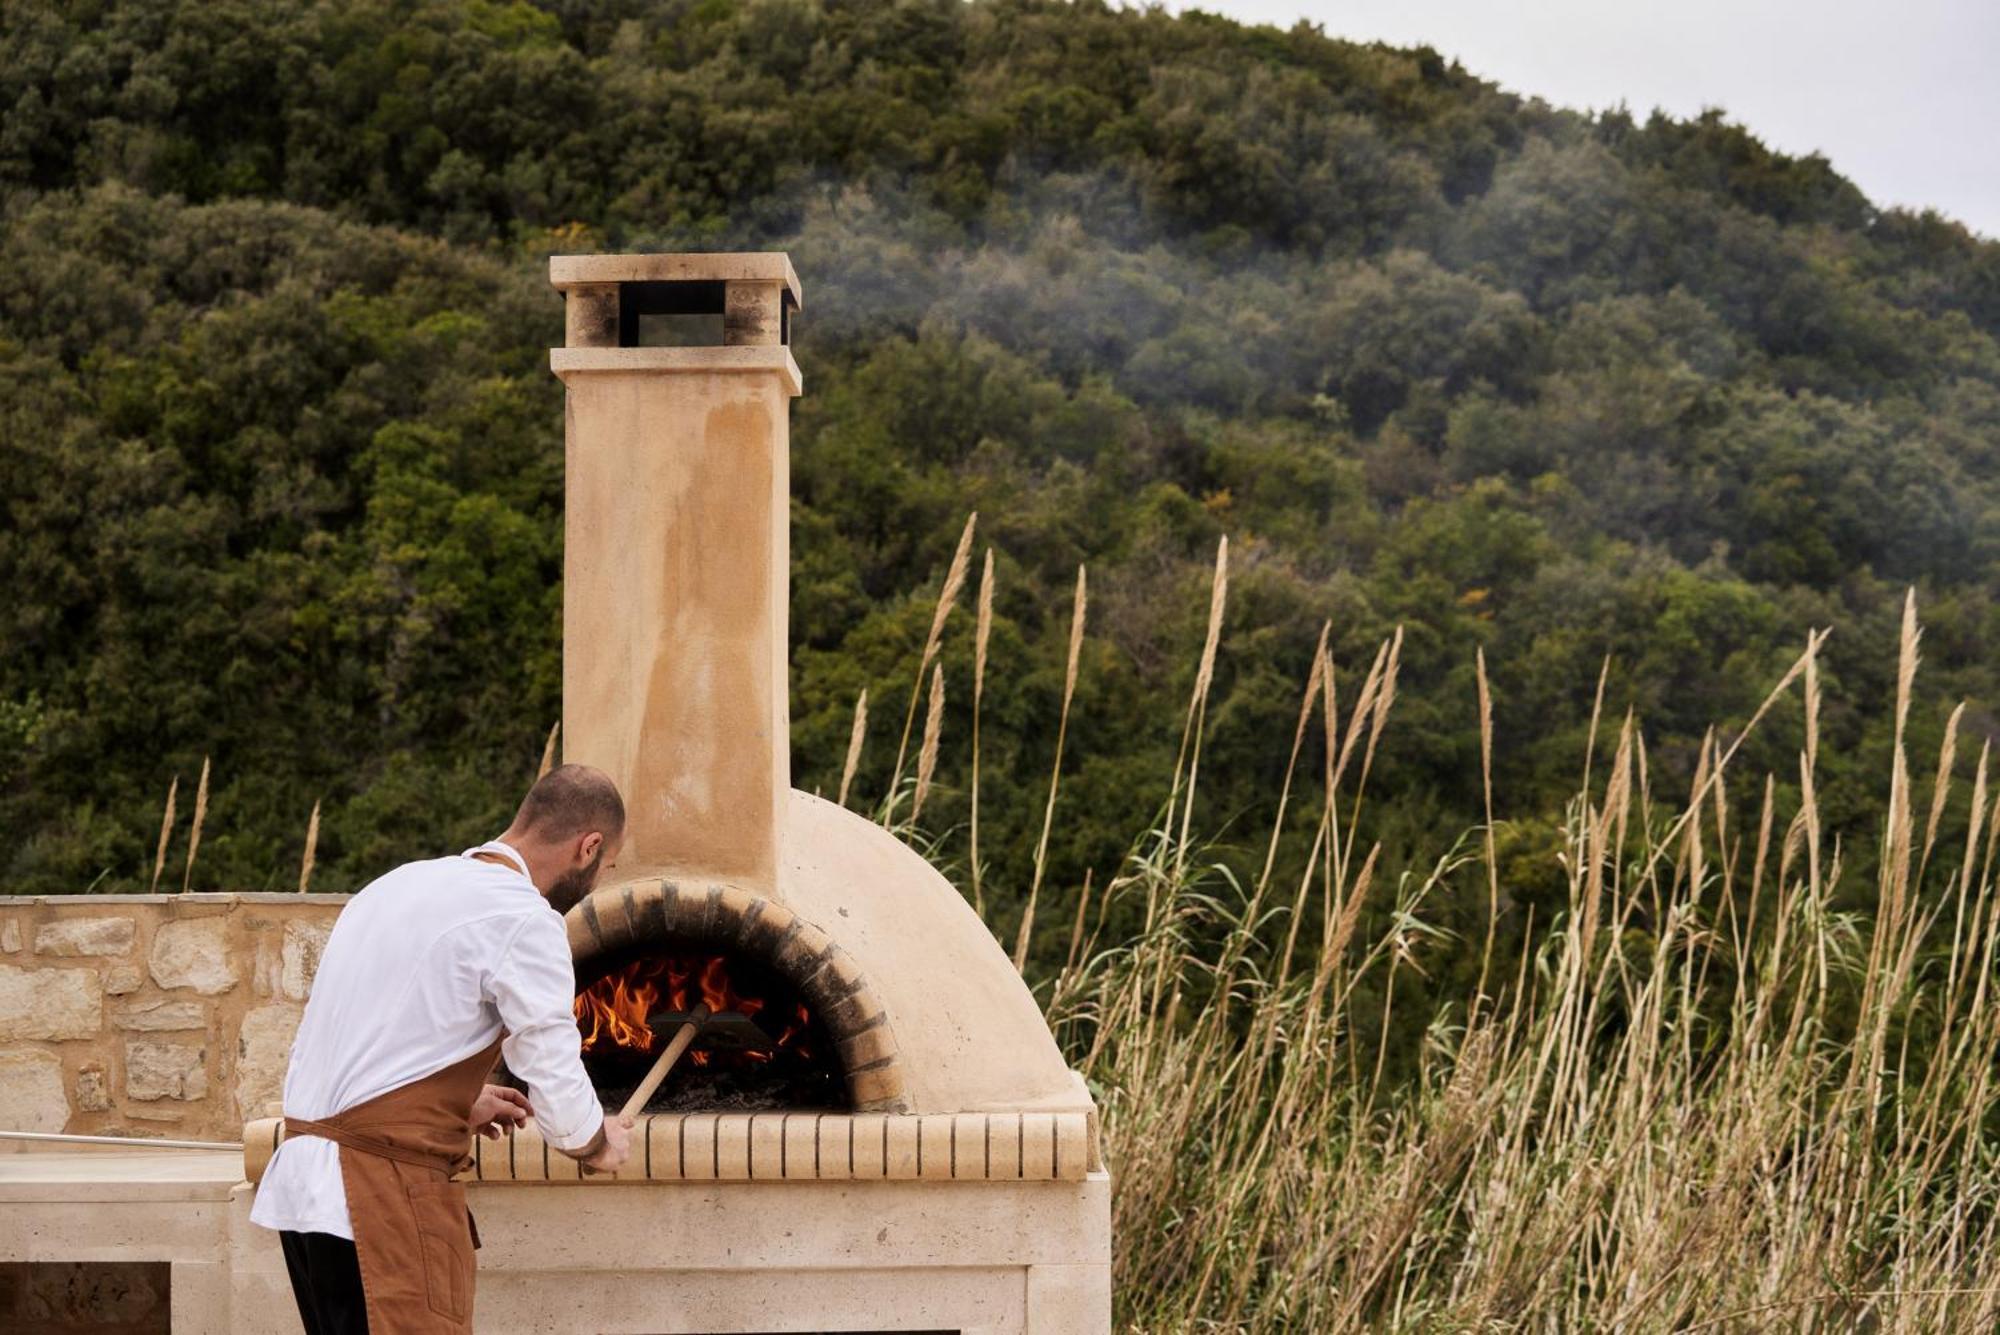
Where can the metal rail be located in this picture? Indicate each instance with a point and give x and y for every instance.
(130, 1142)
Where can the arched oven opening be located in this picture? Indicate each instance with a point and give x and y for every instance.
(793, 1025)
(758, 1047)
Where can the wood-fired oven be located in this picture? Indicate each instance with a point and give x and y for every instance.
(873, 1129)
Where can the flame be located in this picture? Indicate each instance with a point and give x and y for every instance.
(615, 1011)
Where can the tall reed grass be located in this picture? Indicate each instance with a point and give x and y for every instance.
(1698, 1099)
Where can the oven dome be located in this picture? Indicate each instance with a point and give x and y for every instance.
(963, 1032)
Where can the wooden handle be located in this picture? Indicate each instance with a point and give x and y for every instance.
(665, 1062)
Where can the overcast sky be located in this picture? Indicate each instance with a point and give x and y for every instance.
(1903, 96)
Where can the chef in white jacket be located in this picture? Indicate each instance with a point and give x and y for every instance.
(428, 971)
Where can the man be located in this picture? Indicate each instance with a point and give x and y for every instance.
(431, 972)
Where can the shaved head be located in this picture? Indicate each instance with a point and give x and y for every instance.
(572, 800)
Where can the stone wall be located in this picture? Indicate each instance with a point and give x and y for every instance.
(152, 1015)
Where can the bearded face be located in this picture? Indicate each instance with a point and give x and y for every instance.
(570, 888)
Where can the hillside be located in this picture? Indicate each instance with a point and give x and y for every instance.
(280, 454)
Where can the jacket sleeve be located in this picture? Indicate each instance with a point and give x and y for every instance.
(534, 989)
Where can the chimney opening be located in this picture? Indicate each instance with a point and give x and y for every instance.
(671, 314)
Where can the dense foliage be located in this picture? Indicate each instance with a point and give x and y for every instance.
(280, 454)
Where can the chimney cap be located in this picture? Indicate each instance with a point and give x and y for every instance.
(765, 266)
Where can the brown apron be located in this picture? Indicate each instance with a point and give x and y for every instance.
(412, 1231)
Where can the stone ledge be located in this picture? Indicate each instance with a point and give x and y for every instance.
(196, 897)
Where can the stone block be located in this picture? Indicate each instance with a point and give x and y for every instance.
(732, 1148)
(935, 1146)
(31, 1091)
(158, 1015)
(263, 1049)
(195, 954)
(305, 942)
(834, 1153)
(1003, 1147)
(265, 969)
(878, 1090)
(801, 1150)
(49, 1003)
(85, 936)
(121, 979)
(10, 936)
(865, 1049)
(156, 1070)
(699, 1158)
(868, 1145)
(899, 1147)
(93, 1089)
(767, 1146)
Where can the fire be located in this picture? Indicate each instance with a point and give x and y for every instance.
(616, 1010)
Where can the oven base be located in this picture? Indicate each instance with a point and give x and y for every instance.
(731, 1258)
(662, 1258)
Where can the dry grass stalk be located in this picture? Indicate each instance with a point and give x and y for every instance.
(312, 847)
(927, 754)
(194, 830)
(954, 580)
(1204, 678)
(854, 740)
(1076, 620)
(1076, 929)
(981, 635)
(549, 751)
(1486, 794)
(166, 834)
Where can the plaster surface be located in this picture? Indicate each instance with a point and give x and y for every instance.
(969, 1032)
(676, 557)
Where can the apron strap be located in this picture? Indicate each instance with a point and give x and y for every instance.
(367, 1144)
(504, 851)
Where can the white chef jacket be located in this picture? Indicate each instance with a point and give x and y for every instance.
(424, 968)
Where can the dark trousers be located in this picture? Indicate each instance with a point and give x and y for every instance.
(326, 1280)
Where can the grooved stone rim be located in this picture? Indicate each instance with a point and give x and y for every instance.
(794, 1146)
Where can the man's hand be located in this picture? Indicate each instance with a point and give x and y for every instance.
(498, 1109)
(613, 1145)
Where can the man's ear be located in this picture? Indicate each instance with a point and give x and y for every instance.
(588, 846)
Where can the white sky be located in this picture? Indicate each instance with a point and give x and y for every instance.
(1903, 96)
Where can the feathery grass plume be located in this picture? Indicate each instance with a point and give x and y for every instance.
(194, 832)
(1306, 703)
(312, 847)
(927, 754)
(954, 580)
(1941, 786)
(1076, 619)
(981, 635)
(166, 833)
(1190, 748)
(549, 751)
(1076, 929)
(854, 739)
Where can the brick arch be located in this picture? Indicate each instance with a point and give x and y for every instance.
(630, 916)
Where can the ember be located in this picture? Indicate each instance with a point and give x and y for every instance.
(761, 1049)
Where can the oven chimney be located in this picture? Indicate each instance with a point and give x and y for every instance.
(679, 377)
